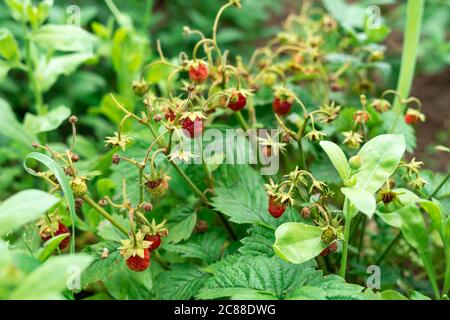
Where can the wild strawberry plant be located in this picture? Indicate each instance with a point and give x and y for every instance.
(171, 213)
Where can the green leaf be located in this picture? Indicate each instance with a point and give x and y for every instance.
(250, 276)
(298, 242)
(11, 128)
(258, 243)
(182, 221)
(206, 246)
(392, 295)
(23, 208)
(8, 46)
(240, 195)
(61, 177)
(337, 158)
(401, 127)
(48, 72)
(50, 279)
(52, 120)
(50, 246)
(412, 225)
(67, 38)
(125, 284)
(379, 159)
(182, 282)
(363, 201)
(18, 8)
(101, 268)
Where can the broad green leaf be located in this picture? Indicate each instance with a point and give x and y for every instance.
(401, 127)
(11, 128)
(363, 201)
(52, 120)
(182, 221)
(240, 194)
(248, 275)
(23, 208)
(103, 267)
(392, 295)
(185, 282)
(125, 284)
(50, 246)
(379, 159)
(206, 246)
(67, 37)
(4, 69)
(410, 221)
(18, 8)
(48, 72)
(8, 46)
(416, 295)
(63, 181)
(49, 280)
(298, 242)
(258, 243)
(337, 158)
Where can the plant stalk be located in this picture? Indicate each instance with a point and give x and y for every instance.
(414, 12)
(348, 220)
(105, 214)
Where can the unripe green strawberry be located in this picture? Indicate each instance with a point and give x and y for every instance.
(355, 162)
(79, 187)
(328, 235)
(140, 87)
(157, 188)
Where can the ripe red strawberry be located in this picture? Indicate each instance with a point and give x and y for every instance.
(332, 248)
(155, 239)
(137, 263)
(276, 207)
(237, 101)
(414, 116)
(281, 107)
(193, 124)
(45, 236)
(198, 72)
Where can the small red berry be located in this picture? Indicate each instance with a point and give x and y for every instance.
(155, 239)
(411, 119)
(198, 72)
(276, 207)
(237, 101)
(281, 107)
(332, 248)
(137, 263)
(61, 230)
(193, 128)
(414, 116)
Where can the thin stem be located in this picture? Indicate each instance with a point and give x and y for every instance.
(389, 248)
(439, 186)
(414, 11)
(105, 214)
(216, 21)
(241, 120)
(348, 220)
(190, 183)
(361, 236)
